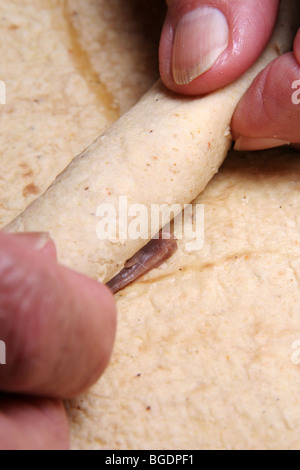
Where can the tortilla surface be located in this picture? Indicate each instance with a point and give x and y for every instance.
(206, 353)
(171, 143)
(71, 67)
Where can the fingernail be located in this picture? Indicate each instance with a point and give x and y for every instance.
(249, 143)
(42, 239)
(200, 38)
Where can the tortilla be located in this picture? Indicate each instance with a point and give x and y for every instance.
(167, 142)
(70, 71)
(207, 351)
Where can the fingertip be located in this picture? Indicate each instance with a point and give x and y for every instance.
(97, 327)
(58, 325)
(268, 114)
(207, 45)
(39, 241)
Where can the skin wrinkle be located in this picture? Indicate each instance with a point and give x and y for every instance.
(262, 93)
(263, 18)
(246, 22)
(259, 91)
(238, 42)
(26, 355)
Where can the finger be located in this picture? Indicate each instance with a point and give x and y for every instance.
(39, 241)
(297, 47)
(207, 44)
(269, 113)
(58, 326)
(33, 424)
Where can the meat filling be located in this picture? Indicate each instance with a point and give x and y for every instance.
(149, 257)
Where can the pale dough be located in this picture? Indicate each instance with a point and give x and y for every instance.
(171, 143)
(204, 355)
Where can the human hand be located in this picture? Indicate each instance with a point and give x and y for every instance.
(207, 44)
(58, 327)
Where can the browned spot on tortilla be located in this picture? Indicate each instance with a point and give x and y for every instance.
(27, 171)
(202, 267)
(13, 27)
(30, 189)
(84, 66)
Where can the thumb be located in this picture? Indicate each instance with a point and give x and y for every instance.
(207, 44)
(58, 326)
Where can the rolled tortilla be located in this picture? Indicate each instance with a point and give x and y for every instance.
(163, 151)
